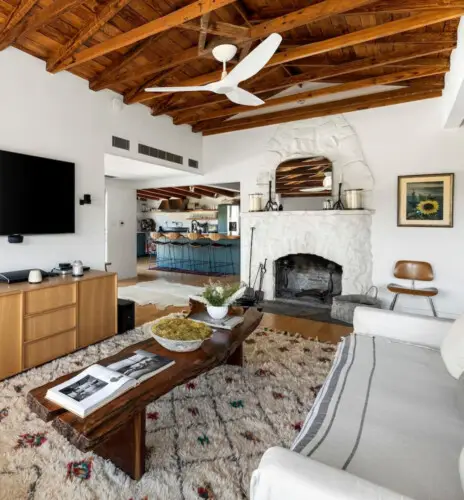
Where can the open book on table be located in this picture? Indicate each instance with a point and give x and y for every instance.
(97, 385)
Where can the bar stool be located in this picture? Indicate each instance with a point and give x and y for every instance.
(194, 248)
(178, 243)
(216, 248)
(151, 248)
(157, 258)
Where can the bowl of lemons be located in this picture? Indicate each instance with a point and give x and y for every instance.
(179, 334)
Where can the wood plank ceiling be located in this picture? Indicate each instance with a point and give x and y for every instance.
(183, 192)
(128, 45)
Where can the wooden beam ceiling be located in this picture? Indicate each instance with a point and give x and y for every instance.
(184, 114)
(285, 23)
(380, 7)
(343, 41)
(324, 109)
(17, 16)
(107, 12)
(388, 79)
(33, 23)
(128, 45)
(172, 20)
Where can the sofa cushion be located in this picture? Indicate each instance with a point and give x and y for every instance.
(387, 413)
(452, 348)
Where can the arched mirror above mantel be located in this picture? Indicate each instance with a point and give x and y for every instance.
(304, 177)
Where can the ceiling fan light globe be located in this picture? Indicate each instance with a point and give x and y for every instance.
(224, 53)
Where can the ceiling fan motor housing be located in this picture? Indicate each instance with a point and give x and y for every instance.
(224, 53)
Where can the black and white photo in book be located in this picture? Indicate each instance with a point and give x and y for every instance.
(83, 388)
(140, 365)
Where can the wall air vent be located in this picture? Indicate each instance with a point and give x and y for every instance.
(162, 155)
(120, 143)
(193, 163)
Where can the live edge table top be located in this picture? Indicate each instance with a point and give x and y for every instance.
(91, 432)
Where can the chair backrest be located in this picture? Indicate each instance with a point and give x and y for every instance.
(413, 270)
(215, 236)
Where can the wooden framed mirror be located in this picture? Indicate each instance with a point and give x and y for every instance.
(304, 177)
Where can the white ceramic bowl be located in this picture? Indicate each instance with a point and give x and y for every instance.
(174, 345)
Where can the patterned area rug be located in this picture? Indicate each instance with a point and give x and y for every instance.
(204, 439)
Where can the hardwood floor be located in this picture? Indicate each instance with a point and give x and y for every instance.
(325, 332)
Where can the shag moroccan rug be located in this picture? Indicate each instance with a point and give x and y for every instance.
(160, 292)
(204, 439)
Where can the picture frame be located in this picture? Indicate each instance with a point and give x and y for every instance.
(425, 200)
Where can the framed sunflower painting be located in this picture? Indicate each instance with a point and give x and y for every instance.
(425, 200)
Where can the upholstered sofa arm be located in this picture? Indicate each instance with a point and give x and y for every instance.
(284, 474)
(423, 330)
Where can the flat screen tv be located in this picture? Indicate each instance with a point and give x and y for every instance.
(36, 195)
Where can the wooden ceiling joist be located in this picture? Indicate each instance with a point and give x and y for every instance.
(212, 190)
(187, 113)
(388, 79)
(343, 106)
(147, 195)
(304, 16)
(104, 79)
(285, 23)
(172, 20)
(344, 41)
(443, 38)
(17, 15)
(107, 12)
(380, 7)
(166, 193)
(33, 23)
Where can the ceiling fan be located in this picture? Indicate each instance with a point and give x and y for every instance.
(253, 63)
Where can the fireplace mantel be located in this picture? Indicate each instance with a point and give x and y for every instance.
(318, 213)
(341, 236)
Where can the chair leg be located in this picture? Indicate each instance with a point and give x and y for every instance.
(392, 305)
(432, 306)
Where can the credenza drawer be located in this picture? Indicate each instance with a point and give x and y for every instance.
(50, 298)
(36, 353)
(46, 324)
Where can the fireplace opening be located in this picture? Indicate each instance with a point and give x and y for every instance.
(307, 278)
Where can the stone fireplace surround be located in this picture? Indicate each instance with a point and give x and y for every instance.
(340, 236)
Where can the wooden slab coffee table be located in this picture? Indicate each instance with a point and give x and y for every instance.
(117, 430)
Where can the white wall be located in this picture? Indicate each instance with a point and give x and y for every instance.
(57, 116)
(397, 140)
(121, 228)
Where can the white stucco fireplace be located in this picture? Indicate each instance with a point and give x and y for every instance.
(343, 237)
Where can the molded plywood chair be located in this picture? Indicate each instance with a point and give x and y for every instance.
(415, 271)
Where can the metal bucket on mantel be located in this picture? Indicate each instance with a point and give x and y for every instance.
(354, 199)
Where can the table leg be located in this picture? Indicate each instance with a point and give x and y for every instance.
(126, 448)
(236, 358)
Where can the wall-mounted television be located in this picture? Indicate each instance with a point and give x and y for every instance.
(36, 195)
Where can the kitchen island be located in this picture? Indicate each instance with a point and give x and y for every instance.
(211, 254)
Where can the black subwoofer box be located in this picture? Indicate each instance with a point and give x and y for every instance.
(126, 315)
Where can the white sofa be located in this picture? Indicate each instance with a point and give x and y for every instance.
(384, 426)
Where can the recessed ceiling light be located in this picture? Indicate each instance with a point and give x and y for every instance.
(313, 190)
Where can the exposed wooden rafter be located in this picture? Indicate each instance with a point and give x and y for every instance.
(159, 25)
(387, 79)
(108, 11)
(381, 7)
(343, 106)
(112, 72)
(17, 15)
(184, 114)
(343, 41)
(33, 23)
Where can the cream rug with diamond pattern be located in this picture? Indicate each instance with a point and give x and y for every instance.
(204, 439)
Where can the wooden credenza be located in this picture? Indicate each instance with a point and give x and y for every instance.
(41, 322)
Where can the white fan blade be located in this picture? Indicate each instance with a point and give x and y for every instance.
(254, 62)
(241, 96)
(179, 89)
